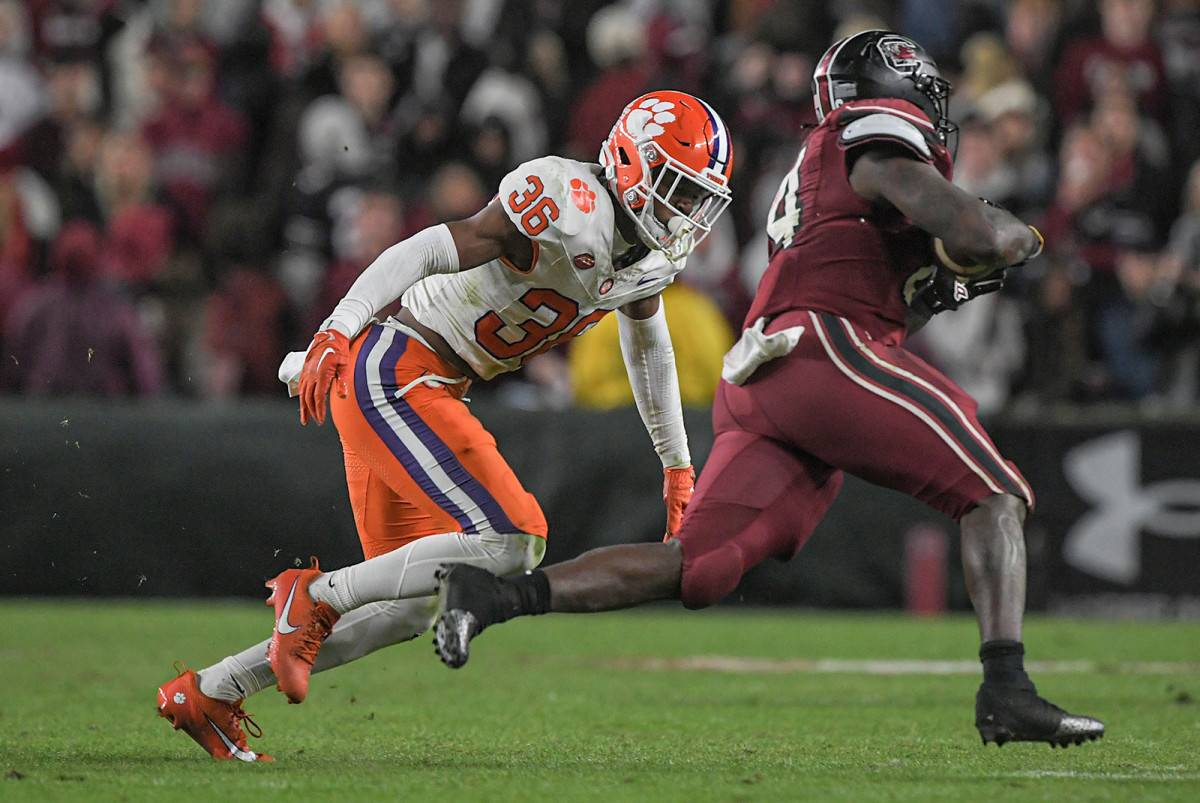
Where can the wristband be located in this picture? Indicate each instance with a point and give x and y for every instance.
(1041, 244)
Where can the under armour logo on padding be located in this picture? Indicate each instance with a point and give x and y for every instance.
(1105, 542)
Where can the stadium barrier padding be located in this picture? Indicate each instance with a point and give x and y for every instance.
(197, 499)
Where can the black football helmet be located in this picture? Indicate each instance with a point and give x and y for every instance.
(882, 64)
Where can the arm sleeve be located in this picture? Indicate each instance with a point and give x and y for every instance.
(398, 268)
(650, 361)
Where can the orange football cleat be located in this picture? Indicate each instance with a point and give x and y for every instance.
(216, 725)
(301, 625)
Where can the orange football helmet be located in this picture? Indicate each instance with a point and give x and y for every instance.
(672, 148)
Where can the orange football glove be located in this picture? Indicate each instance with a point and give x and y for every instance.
(678, 484)
(327, 359)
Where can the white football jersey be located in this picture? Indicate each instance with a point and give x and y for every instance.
(496, 316)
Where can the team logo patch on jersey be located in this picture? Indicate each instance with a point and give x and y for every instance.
(899, 54)
(604, 288)
(584, 261)
(583, 196)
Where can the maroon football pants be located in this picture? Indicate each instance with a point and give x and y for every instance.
(839, 402)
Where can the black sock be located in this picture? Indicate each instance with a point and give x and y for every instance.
(530, 593)
(1003, 661)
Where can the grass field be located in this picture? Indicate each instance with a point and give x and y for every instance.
(652, 705)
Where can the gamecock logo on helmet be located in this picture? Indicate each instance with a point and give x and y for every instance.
(899, 54)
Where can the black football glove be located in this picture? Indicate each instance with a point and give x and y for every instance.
(935, 289)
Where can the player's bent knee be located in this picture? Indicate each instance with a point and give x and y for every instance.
(516, 552)
(712, 577)
(532, 552)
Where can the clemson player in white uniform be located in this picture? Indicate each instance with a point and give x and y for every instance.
(563, 244)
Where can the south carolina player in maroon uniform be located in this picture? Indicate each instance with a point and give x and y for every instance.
(820, 384)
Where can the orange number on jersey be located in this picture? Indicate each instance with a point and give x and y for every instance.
(487, 328)
(585, 323)
(537, 216)
(537, 219)
(518, 203)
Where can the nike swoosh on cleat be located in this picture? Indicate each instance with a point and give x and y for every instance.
(283, 622)
(237, 686)
(646, 280)
(244, 755)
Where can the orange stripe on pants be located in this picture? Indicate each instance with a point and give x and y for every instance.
(421, 463)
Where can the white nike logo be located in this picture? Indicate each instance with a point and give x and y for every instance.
(283, 622)
(326, 353)
(244, 755)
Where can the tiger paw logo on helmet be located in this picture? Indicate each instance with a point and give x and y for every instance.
(583, 196)
(648, 119)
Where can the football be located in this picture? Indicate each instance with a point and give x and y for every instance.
(965, 271)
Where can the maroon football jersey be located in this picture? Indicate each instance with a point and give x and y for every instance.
(834, 251)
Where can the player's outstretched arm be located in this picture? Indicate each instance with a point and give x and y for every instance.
(447, 248)
(650, 362)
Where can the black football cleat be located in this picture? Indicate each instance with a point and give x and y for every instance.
(469, 599)
(1013, 712)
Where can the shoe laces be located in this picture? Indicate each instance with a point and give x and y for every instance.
(315, 632)
(238, 716)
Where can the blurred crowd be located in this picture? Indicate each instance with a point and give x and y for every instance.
(187, 187)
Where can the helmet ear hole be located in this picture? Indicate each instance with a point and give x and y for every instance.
(624, 157)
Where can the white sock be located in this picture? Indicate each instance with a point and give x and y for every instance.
(369, 628)
(333, 588)
(403, 573)
(237, 676)
(408, 572)
(374, 626)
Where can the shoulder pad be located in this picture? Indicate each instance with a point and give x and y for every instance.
(575, 197)
(882, 125)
